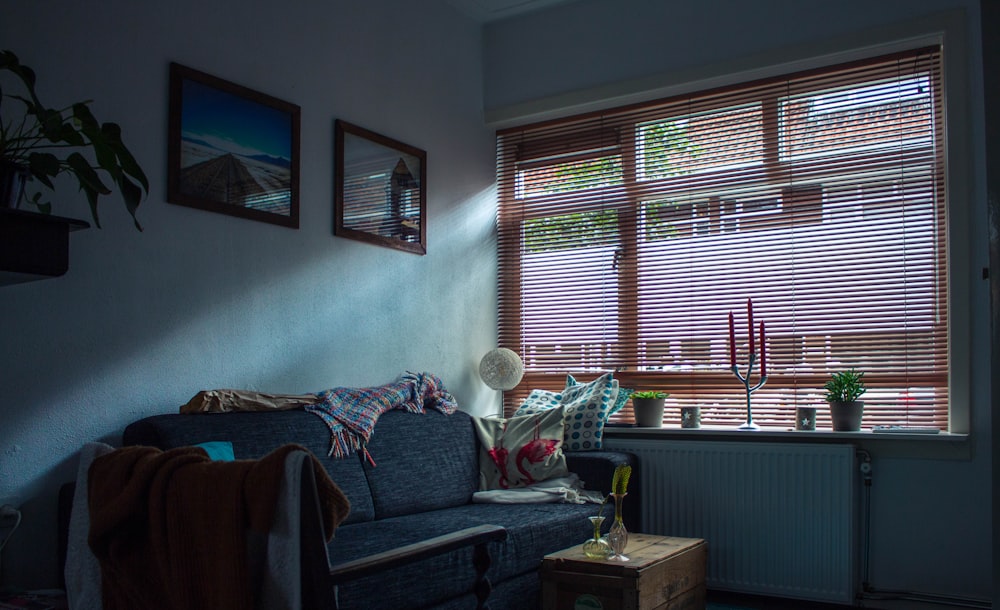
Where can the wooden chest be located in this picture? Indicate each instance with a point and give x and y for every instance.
(662, 573)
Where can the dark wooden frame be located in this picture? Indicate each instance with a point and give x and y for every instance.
(348, 141)
(178, 194)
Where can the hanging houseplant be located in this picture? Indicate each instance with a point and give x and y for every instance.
(39, 143)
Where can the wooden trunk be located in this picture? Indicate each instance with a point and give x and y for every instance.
(662, 573)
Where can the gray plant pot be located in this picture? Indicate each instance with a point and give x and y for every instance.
(648, 412)
(846, 416)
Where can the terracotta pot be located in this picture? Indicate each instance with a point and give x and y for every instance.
(846, 416)
(648, 412)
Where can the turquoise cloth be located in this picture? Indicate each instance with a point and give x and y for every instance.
(219, 451)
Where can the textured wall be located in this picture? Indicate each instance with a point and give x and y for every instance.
(200, 300)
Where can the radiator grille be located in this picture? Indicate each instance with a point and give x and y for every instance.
(779, 518)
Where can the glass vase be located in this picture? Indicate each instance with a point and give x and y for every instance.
(597, 547)
(618, 535)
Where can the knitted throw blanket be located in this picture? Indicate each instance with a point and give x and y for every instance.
(351, 413)
(169, 527)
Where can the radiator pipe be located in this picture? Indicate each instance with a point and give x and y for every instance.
(866, 477)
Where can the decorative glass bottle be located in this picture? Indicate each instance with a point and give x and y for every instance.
(618, 535)
(597, 547)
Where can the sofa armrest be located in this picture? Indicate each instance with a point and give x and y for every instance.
(366, 566)
(477, 537)
(597, 468)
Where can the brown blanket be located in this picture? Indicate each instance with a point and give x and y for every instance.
(169, 528)
(223, 401)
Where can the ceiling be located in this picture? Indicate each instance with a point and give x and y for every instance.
(485, 11)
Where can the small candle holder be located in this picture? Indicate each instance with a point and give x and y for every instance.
(748, 424)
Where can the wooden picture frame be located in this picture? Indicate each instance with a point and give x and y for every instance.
(380, 193)
(232, 150)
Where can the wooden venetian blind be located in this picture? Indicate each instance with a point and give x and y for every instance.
(627, 236)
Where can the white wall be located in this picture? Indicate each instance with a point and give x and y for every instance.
(143, 321)
(931, 517)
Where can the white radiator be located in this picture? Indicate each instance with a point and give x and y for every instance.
(779, 518)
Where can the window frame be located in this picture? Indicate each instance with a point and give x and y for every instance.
(958, 417)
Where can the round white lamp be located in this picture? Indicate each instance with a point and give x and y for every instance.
(501, 369)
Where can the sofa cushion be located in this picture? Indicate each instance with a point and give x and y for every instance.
(586, 407)
(533, 530)
(422, 462)
(254, 435)
(621, 394)
(520, 451)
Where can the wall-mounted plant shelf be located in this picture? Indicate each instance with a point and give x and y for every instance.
(34, 246)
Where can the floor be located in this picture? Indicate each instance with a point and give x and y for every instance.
(730, 601)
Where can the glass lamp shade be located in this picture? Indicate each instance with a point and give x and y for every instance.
(501, 369)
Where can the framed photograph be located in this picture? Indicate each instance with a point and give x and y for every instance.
(380, 189)
(232, 150)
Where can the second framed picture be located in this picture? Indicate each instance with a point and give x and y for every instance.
(380, 189)
(232, 150)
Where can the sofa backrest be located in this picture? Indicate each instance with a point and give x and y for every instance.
(423, 462)
(253, 436)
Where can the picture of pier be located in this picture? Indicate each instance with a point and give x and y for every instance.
(233, 150)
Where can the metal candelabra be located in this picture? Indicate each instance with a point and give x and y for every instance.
(748, 424)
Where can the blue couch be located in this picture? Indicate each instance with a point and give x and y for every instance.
(421, 487)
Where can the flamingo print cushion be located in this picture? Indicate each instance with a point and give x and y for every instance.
(520, 451)
(586, 408)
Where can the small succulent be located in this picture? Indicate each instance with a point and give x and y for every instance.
(845, 386)
(649, 394)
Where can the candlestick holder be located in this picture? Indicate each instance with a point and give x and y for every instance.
(748, 424)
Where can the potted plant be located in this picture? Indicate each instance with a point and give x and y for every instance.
(648, 407)
(842, 392)
(39, 143)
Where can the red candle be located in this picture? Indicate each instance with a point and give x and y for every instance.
(750, 325)
(763, 350)
(732, 341)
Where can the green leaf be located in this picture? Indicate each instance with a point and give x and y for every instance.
(86, 175)
(43, 166)
(129, 165)
(92, 200)
(132, 196)
(45, 207)
(88, 124)
(68, 134)
(51, 122)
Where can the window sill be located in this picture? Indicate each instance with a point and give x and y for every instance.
(944, 445)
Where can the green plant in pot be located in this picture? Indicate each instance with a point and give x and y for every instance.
(38, 144)
(842, 393)
(648, 407)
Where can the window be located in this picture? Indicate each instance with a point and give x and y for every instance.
(627, 236)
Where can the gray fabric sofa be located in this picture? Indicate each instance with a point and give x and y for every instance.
(426, 471)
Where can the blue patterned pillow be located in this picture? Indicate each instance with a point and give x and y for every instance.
(621, 394)
(586, 408)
